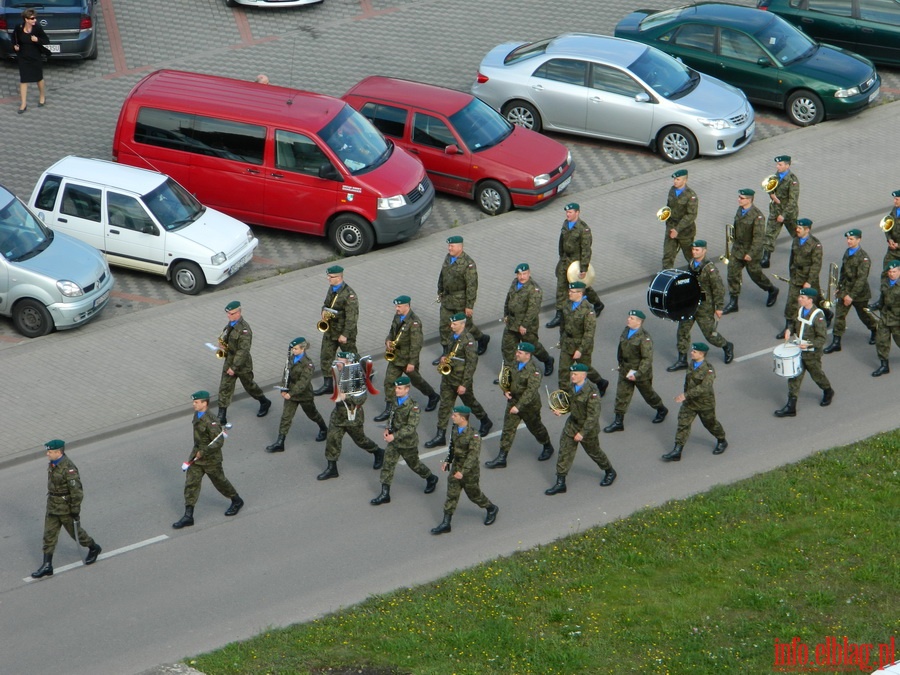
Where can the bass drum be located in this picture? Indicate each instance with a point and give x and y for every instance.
(674, 295)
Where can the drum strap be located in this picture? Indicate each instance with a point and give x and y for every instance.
(806, 322)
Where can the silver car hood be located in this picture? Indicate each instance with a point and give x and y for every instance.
(69, 259)
(713, 99)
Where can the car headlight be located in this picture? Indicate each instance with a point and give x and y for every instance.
(847, 93)
(543, 179)
(69, 289)
(714, 124)
(218, 258)
(249, 235)
(569, 157)
(395, 202)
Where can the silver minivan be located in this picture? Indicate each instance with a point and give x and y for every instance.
(47, 279)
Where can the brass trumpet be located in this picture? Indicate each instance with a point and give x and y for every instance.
(558, 400)
(770, 182)
(729, 240)
(663, 214)
(886, 224)
(832, 287)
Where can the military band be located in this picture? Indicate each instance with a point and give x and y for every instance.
(296, 390)
(747, 250)
(681, 224)
(235, 342)
(338, 324)
(575, 244)
(784, 206)
(521, 317)
(888, 307)
(852, 291)
(457, 289)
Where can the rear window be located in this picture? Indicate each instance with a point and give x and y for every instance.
(880, 11)
(526, 51)
(833, 7)
(389, 120)
(44, 4)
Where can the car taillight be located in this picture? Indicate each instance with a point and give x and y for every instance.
(481, 79)
(3, 24)
(86, 23)
(762, 4)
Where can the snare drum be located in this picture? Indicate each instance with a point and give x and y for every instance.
(787, 360)
(674, 294)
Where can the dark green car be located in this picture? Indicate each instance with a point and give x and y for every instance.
(773, 62)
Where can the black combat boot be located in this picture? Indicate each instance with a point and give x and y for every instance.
(444, 526)
(602, 386)
(548, 366)
(764, 263)
(482, 344)
(789, 409)
(732, 305)
(186, 520)
(223, 417)
(491, 516)
(277, 446)
(94, 550)
(379, 458)
(499, 462)
(486, 426)
(674, 455)
(827, 397)
(323, 432)
(558, 487)
(433, 400)
(236, 505)
(556, 320)
(439, 440)
(264, 405)
(329, 472)
(431, 483)
(608, 477)
(772, 297)
(599, 307)
(872, 337)
(661, 413)
(721, 445)
(729, 352)
(680, 364)
(616, 425)
(787, 326)
(46, 569)
(883, 369)
(546, 452)
(326, 388)
(384, 414)
(384, 497)
(829, 315)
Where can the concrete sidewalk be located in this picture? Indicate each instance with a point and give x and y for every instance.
(134, 370)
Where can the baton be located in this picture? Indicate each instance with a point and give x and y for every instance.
(187, 465)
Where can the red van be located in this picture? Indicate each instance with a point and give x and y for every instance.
(275, 157)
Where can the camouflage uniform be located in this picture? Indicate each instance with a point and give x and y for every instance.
(340, 424)
(238, 339)
(684, 221)
(889, 326)
(749, 230)
(404, 422)
(409, 345)
(712, 299)
(206, 428)
(462, 374)
(853, 281)
(804, 267)
(465, 450)
(521, 309)
(574, 244)
(815, 332)
(525, 387)
(892, 235)
(458, 289)
(699, 399)
(346, 304)
(300, 389)
(635, 353)
(584, 418)
(788, 193)
(577, 334)
(64, 496)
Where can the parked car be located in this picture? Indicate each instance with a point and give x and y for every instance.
(618, 90)
(774, 63)
(270, 3)
(47, 279)
(142, 220)
(867, 27)
(71, 26)
(467, 148)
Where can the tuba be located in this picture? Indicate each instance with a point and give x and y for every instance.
(663, 214)
(729, 240)
(505, 377)
(770, 182)
(886, 224)
(558, 400)
(832, 287)
(574, 271)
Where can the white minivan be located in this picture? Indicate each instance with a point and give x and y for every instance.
(143, 220)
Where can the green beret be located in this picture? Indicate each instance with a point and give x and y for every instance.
(522, 267)
(809, 292)
(895, 193)
(638, 313)
(804, 222)
(402, 381)
(233, 305)
(402, 300)
(746, 192)
(853, 233)
(680, 173)
(525, 347)
(891, 265)
(699, 243)
(335, 269)
(578, 285)
(298, 341)
(455, 239)
(345, 355)
(459, 316)
(700, 347)
(574, 206)
(463, 410)
(55, 445)
(783, 158)
(579, 368)
(201, 395)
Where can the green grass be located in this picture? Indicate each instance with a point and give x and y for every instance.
(701, 585)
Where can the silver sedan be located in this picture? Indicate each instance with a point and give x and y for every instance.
(615, 89)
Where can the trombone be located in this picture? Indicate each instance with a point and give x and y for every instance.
(827, 302)
(729, 241)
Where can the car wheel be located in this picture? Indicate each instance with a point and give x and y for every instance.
(523, 114)
(230, 3)
(188, 278)
(351, 235)
(32, 319)
(804, 108)
(93, 55)
(676, 145)
(492, 198)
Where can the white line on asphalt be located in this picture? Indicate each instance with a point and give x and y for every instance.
(747, 357)
(443, 450)
(108, 554)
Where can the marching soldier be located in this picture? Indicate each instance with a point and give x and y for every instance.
(698, 398)
(575, 243)
(892, 236)
(462, 465)
(205, 460)
(457, 290)
(746, 250)
(852, 291)
(635, 356)
(712, 301)
(64, 496)
(811, 331)
(783, 206)
(236, 340)
(341, 312)
(582, 426)
(404, 341)
(804, 268)
(523, 403)
(681, 226)
(461, 359)
(520, 314)
(889, 324)
(348, 417)
(296, 390)
(402, 438)
(576, 340)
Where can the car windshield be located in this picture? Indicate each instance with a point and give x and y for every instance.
(358, 144)
(480, 126)
(22, 236)
(173, 206)
(666, 76)
(784, 42)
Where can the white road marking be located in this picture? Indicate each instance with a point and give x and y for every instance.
(108, 554)
(443, 450)
(747, 357)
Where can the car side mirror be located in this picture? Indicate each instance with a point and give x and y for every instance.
(328, 172)
(643, 97)
(763, 62)
(451, 149)
(149, 229)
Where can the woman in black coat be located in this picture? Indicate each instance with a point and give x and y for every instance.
(29, 42)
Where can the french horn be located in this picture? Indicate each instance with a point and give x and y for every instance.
(770, 182)
(573, 273)
(558, 400)
(886, 224)
(664, 214)
(505, 378)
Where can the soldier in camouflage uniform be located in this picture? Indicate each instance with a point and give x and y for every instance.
(746, 251)
(296, 390)
(811, 331)
(64, 497)
(635, 356)
(804, 270)
(523, 403)
(892, 236)
(681, 226)
(888, 306)
(783, 206)
(405, 340)
(457, 290)
(205, 460)
(520, 314)
(582, 426)
(341, 306)
(698, 398)
(712, 300)
(575, 243)
(462, 357)
(348, 417)
(238, 364)
(402, 438)
(576, 340)
(462, 464)
(853, 291)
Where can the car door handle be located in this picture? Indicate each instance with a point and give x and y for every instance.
(114, 232)
(537, 87)
(414, 151)
(253, 171)
(595, 99)
(62, 220)
(277, 175)
(867, 30)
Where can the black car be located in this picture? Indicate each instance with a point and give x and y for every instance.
(71, 26)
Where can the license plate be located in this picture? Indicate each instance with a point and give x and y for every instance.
(564, 185)
(99, 302)
(750, 130)
(240, 263)
(874, 94)
(426, 214)
(53, 49)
